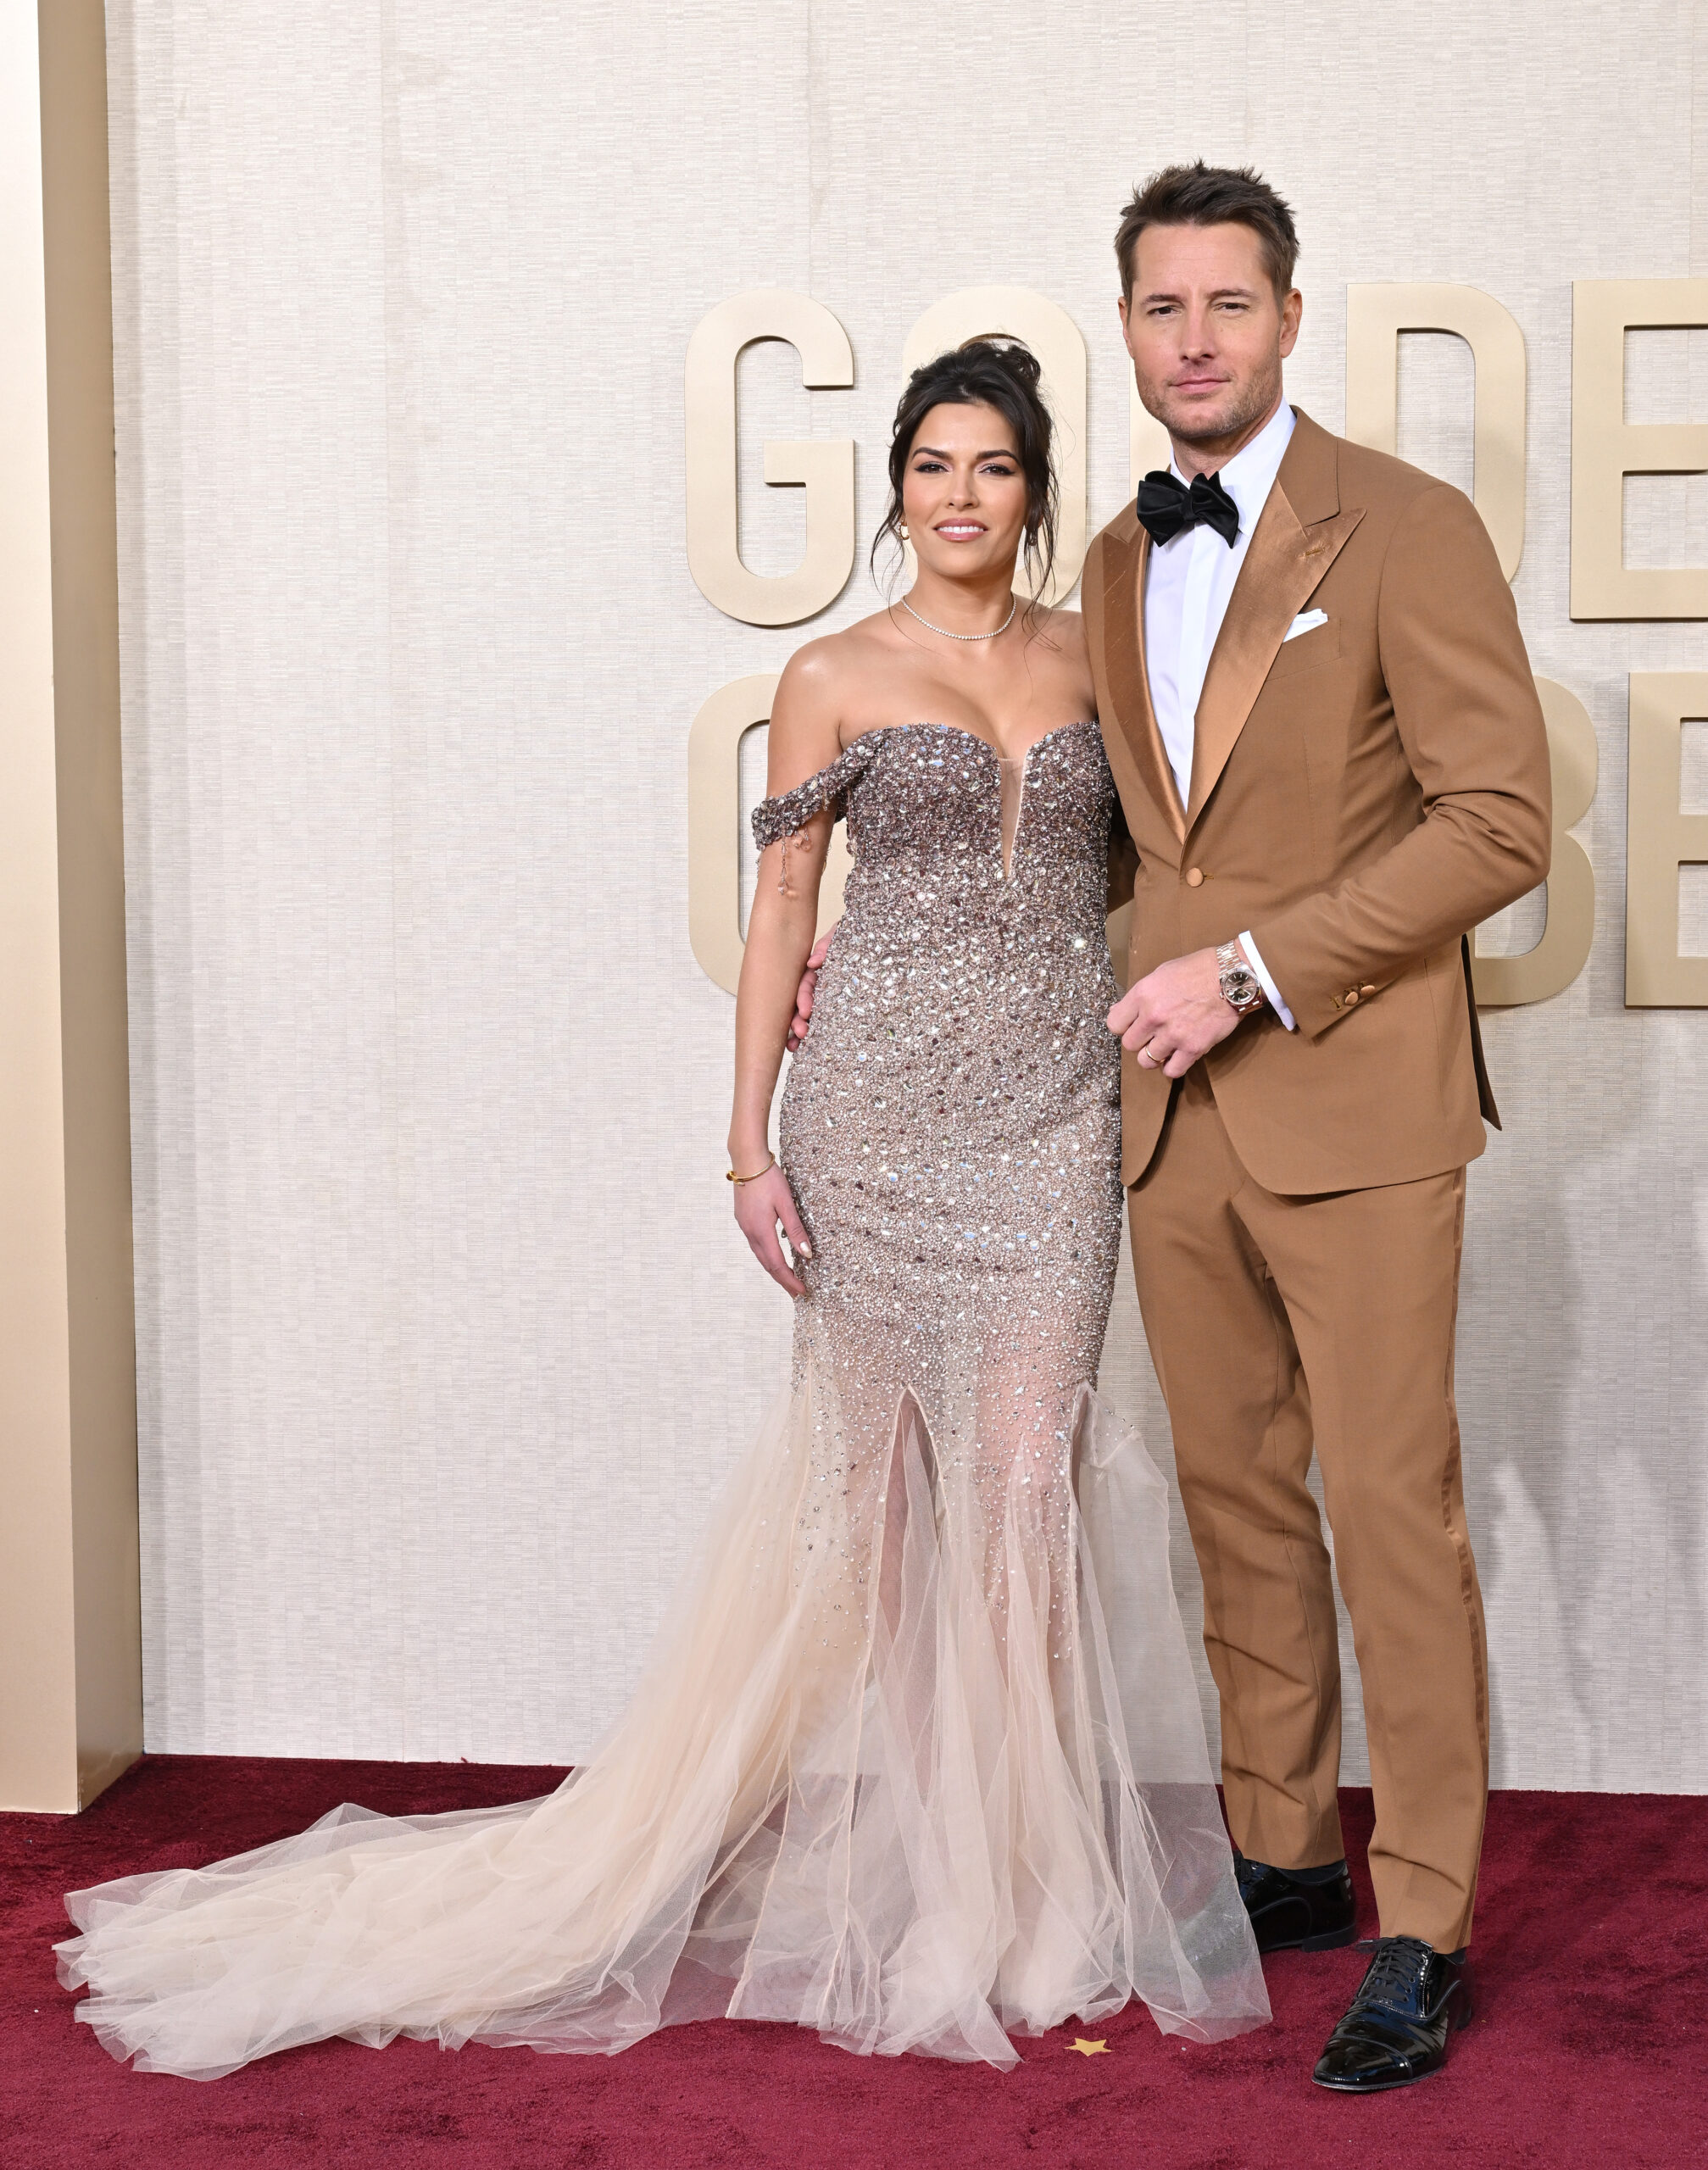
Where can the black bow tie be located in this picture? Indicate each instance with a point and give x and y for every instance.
(1166, 506)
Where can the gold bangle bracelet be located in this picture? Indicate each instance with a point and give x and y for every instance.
(731, 1177)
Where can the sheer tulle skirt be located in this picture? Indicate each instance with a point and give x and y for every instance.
(912, 1767)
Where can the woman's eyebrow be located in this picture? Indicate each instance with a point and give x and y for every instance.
(997, 452)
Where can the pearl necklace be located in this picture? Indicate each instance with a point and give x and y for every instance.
(1014, 605)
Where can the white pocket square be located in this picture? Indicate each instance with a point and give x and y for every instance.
(1307, 621)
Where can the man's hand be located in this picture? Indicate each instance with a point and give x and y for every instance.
(803, 997)
(1176, 1013)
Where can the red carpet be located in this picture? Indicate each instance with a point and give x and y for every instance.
(1587, 2050)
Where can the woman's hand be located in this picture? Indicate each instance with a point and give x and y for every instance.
(760, 1204)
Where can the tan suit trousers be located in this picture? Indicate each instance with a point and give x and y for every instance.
(1281, 1323)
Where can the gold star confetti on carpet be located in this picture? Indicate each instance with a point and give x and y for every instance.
(1090, 2049)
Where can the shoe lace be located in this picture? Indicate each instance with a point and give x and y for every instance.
(1400, 1964)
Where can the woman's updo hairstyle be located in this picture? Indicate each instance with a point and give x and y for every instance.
(988, 371)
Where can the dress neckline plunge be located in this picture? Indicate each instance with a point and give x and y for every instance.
(1012, 771)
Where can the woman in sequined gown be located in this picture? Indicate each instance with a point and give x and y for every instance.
(919, 1761)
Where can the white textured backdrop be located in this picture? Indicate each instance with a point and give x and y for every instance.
(446, 1336)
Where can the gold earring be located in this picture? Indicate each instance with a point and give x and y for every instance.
(903, 531)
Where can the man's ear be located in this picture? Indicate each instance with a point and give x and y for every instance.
(1292, 310)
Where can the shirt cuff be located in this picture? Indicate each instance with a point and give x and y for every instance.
(1267, 984)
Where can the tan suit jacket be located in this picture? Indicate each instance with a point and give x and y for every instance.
(1362, 795)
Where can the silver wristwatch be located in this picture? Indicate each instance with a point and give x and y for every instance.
(1240, 985)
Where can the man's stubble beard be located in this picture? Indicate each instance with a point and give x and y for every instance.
(1255, 400)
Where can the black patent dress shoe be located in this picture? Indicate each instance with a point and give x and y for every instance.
(1288, 1915)
(1396, 2028)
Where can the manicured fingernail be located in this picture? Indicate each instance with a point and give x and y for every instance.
(806, 1250)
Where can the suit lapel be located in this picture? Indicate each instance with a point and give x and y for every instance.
(1298, 535)
(1129, 683)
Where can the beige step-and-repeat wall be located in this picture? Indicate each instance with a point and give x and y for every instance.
(446, 1339)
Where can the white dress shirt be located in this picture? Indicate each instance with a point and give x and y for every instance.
(1186, 585)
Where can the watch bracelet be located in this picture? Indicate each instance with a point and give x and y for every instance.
(1235, 976)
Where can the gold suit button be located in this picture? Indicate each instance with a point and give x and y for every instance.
(1368, 990)
(1194, 877)
(1351, 996)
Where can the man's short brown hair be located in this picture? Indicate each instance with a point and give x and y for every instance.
(1199, 195)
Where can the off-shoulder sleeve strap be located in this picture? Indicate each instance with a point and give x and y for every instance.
(790, 812)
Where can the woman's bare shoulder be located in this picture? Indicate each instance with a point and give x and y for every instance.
(829, 679)
(826, 663)
(824, 686)
(1065, 630)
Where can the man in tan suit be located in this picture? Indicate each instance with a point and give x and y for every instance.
(1330, 752)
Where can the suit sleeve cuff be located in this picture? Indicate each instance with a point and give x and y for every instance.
(1267, 984)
